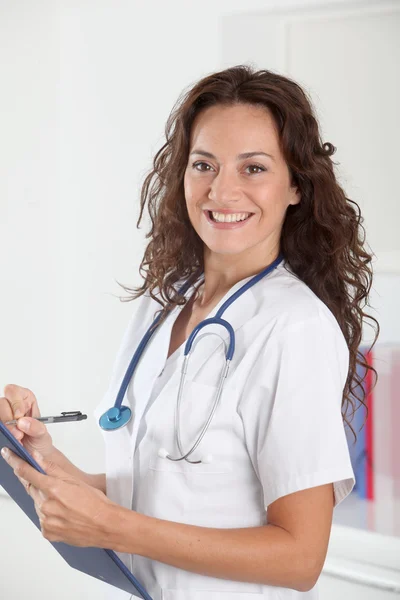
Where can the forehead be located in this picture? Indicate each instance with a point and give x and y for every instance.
(238, 125)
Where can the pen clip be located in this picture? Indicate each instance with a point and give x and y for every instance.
(72, 413)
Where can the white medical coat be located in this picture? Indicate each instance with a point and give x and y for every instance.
(278, 428)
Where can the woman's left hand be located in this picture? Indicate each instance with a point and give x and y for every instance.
(69, 510)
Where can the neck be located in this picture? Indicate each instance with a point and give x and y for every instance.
(221, 273)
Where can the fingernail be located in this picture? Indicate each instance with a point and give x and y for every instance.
(5, 452)
(18, 413)
(24, 424)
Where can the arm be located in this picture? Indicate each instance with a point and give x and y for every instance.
(288, 552)
(98, 481)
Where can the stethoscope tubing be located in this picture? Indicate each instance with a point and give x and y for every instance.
(122, 413)
(207, 423)
(139, 352)
(217, 320)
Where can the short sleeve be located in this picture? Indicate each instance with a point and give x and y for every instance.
(293, 422)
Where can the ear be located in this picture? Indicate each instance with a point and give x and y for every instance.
(295, 195)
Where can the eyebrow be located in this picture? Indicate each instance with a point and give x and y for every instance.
(239, 156)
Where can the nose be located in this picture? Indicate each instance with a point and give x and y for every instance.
(225, 188)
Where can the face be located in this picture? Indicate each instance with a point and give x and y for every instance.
(219, 178)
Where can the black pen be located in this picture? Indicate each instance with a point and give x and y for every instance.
(66, 416)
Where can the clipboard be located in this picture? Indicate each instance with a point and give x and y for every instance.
(100, 563)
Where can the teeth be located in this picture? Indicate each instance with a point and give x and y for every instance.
(231, 218)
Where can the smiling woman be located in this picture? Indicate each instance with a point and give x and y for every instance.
(243, 181)
(244, 205)
(231, 118)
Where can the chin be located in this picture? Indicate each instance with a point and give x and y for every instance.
(226, 249)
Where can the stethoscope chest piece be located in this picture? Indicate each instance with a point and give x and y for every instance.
(115, 417)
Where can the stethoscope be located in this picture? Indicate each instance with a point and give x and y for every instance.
(119, 415)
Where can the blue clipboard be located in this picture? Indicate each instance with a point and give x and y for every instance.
(97, 562)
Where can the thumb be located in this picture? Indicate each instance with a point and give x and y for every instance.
(32, 427)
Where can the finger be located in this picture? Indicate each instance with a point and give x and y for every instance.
(23, 469)
(34, 493)
(18, 399)
(37, 495)
(6, 414)
(17, 433)
(26, 484)
(22, 401)
(39, 514)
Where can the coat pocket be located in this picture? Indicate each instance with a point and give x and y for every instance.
(215, 447)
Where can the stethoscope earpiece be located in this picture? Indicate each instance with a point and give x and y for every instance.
(207, 459)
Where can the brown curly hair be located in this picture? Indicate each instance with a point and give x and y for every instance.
(322, 237)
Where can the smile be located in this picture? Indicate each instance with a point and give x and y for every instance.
(219, 220)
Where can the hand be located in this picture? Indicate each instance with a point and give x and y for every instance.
(32, 434)
(69, 510)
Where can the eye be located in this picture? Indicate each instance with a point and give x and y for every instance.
(256, 167)
(196, 164)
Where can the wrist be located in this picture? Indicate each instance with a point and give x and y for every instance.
(96, 480)
(121, 528)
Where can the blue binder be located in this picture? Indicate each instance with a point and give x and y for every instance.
(97, 562)
(358, 449)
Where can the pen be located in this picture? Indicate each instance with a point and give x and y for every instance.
(66, 416)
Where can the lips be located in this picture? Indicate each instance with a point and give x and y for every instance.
(231, 213)
(231, 225)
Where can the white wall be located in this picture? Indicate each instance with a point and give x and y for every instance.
(86, 88)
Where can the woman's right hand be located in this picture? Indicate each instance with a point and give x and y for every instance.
(32, 434)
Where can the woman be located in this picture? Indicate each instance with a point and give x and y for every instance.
(243, 185)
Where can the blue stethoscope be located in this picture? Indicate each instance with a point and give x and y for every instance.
(119, 415)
